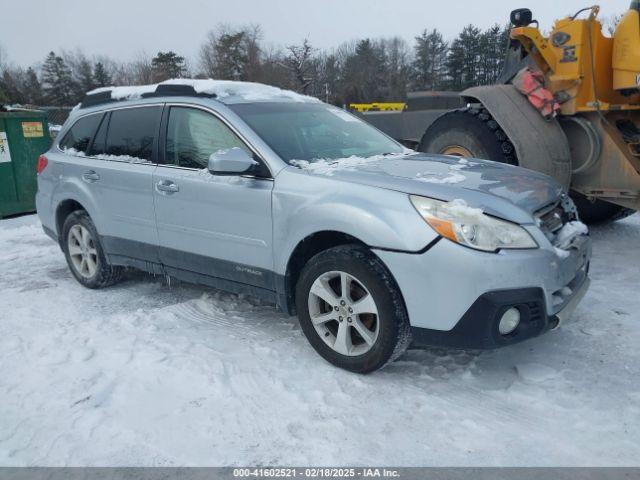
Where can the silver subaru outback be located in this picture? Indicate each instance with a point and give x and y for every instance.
(253, 189)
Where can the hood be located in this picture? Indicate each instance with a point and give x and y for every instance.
(494, 187)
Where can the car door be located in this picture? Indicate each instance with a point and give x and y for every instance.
(217, 226)
(122, 158)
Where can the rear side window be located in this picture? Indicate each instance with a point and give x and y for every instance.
(100, 140)
(130, 133)
(81, 133)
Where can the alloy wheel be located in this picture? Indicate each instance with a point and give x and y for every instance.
(82, 251)
(344, 313)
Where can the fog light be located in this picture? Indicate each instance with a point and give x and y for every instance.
(509, 321)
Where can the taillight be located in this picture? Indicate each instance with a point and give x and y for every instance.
(42, 163)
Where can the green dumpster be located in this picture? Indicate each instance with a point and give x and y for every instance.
(24, 135)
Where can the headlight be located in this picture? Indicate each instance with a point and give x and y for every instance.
(469, 226)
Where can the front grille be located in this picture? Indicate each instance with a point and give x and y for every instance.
(553, 220)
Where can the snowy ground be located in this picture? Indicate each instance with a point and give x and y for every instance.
(149, 374)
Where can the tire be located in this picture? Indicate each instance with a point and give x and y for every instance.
(81, 245)
(475, 131)
(388, 331)
(593, 212)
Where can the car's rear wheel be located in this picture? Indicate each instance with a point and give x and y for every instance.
(351, 310)
(84, 253)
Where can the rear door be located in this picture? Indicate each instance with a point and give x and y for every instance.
(219, 226)
(118, 169)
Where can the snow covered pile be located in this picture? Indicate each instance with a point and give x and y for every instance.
(222, 89)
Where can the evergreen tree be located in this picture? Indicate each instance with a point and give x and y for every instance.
(59, 86)
(85, 80)
(428, 66)
(11, 85)
(464, 59)
(231, 56)
(364, 74)
(34, 94)
(454, 65)
(493, 43)
(100, 75)
(166, 65)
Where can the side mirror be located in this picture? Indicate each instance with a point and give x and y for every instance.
(234, 161)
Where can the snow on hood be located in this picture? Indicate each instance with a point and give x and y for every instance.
(222, 89)
(329, 167)
(446, 178)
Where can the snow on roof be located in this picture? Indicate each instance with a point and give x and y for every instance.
(223, 90)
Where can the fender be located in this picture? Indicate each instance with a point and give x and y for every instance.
(379, 218)
(73, 189)
(540, 144)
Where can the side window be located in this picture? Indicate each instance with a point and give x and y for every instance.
(193, 135)
(131, 132)
(81, 133)
(99, 144)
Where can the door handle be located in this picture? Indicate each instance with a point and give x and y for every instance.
(167, 186)
(90, 176)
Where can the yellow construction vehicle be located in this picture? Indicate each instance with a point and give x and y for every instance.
(567, 104)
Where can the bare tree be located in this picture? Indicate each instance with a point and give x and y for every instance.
(3, 58)
(272, 71)
(142, 69)
(298, 62)
(232, 53)
(397, 67)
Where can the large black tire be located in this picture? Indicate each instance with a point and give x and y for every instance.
(394, 331)
(105, 274)
(473, 129)
(594, 212)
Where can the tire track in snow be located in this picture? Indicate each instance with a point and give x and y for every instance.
(194, 311)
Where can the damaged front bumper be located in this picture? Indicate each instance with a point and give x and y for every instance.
(455, 296)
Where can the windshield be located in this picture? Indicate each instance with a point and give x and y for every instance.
(314, 131)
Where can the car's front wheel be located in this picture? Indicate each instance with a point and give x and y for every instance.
(351, 310)
(82, 248)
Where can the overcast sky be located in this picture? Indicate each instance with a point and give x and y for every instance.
(123, 28)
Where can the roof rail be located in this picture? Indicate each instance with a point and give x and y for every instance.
(162, 90)
(96, 99)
